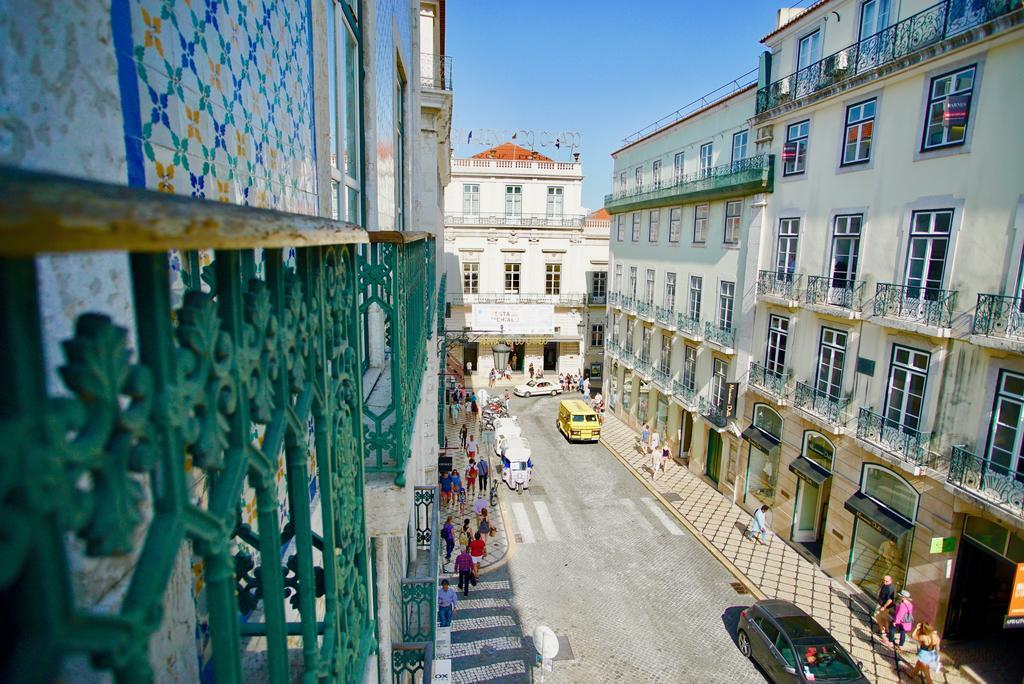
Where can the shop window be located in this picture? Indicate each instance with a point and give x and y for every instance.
(819, 449)
(627, 390)
(995, 537)
(890, 490)
(878, 549)
(662, 416)
(763, 466)
(642, 401)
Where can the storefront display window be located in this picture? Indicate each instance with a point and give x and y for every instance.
(875, 555)
(641, 408)
(662, 418)
(763, 457)
(891, 490)
(818, 449)
(627, 390)
(614, 389)
(885, 509)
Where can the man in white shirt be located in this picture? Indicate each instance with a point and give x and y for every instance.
(655, 454)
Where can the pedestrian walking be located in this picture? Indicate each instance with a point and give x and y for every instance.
(463, 434)
(465, 534)
(456, 484)
(448, 534)
(484, 524)
(479, 505)
(471, 473)
(477, 549)
(491, 377)
(759, 526)
(561, 381)
(645, 437)
(886, 602)
(471, 448)
(508, 371)
(484, 467)
(531, 371)
(453, 409)
(586, 386)
(927, 651)
(903, 620)
(464, 566)
(446, 600)
(508, 397)
(655, 455)
(469, 368)
(446, 488)
(665, 455)
(474, 405)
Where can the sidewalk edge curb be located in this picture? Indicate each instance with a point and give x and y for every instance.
(754, 590)
(510, 542)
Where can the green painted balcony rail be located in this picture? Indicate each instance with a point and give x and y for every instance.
(779, 284)
(992, 482)
(613, 348)
(516, 220)
(412, 662)
(644, 309)
(999, 316)
(419, 593)
(769, 381)
(689, 326)
(684, 391)
(903, 443)
(627, 349)
(662, 379)
(714, 411)
(629, 303)
(597, 299)
(442, 300)
(924, 305)
(822, 404)
(723, 337)
(665, 316)
(927, 27)
(393, 282)
(748, 176)
(614, 298)
(838, 292)
(144, 453)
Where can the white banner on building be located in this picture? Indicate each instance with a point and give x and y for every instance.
(514, 319)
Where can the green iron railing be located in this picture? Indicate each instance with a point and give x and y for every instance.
(628, 303)
(822, 404)
(686, 393)
(989, 481)
(665, 316)
(662, 379)
(999, 316)
(845, 294)
(442, 300)
(144, 454)
(924, 305)
(687, 325)
(713, 411)
(394, 282)
(411, 663)
(644, 309)
(614, 298)
(419, 593)
(902, 442)
(771, 382)
(781, 284)
(723, 337)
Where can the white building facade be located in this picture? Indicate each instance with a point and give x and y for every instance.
(524, 265)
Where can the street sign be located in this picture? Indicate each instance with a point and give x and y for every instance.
(1015, 614)
(732, 392)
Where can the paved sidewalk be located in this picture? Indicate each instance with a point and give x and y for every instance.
(776, 568)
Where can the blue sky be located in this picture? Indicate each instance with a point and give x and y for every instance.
(604, 69)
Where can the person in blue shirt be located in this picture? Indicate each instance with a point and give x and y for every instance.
(446, 600)
(446, 489)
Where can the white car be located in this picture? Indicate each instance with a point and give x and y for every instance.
(538, 386)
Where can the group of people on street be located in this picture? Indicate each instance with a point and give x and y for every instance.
(572, 382)
(472, 550)
(651, 445)
(894, 619)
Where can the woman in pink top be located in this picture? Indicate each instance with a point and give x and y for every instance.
(903, 621)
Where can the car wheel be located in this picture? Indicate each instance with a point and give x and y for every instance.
(527, 394)
(744, 643)
(554, 392)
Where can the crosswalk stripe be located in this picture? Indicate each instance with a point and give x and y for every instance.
(664, 519)
(479, 604)
(485, 622)
(472, 648)
(523, 522)
(636, 515)
(546, 521)
(486, 673)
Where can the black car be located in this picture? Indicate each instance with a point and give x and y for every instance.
(791, 646)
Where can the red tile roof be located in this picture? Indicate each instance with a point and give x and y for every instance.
(511, 151)
(601, 214)
(810, 8)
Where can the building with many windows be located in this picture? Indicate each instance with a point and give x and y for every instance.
(882, 376)
(525, 264)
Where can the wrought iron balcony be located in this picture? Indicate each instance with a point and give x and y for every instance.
(902, 442)
(748, 176)
(642, 365)
(822, 404)
(594, 299)
(999, 316)
(665, 316)
(644, 309)
(923, 305)
(442, 294)
(614, 298)
(723, 337)
(629, 303)
(779, 284)
(436, 71)
(687, 325)
(713, 411)
(770, 382)
(562, 299)
(613, 348)
(917, 31)
(838, 292)
(662, 379)
(686, 393)
(519, 220)
(991, 482)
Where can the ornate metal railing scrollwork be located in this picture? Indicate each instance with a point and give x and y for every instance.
(991, 482)
(999, 316)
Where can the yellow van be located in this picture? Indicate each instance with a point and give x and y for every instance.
(577, 421)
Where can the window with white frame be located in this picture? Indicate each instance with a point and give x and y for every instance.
(513, 201)
(926, 258)
(471, 199)
(859, 132)
(675, 221)
(597, 334)
(512, 273)
(949, 108)
(726, 297)
(665, 359)
(669, 300)
(471, 277)
(555, 201)
(808, 50)
(656, 173)
(696, 283)
(599, 284)
(632, 282)
(620, 228)
(689, 367)
(778, 339)
(344, 112)
(1005, 450)
(552, 278)
(638, 178)
(677, 166)
(719, 378)
(630, 324)
(733, 210)
(649, 287)
(831, 362)
(706, 152)
(739, 145)
(622, 182)
(645, 349)
(786, 246)
(700, 223)
(874, 17)
(845, 251)
(653, 221)
(636, 226)
(904, 397)
(794, 151)
(618, 278)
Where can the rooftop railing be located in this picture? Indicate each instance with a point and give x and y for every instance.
(516, 220)
(999, 316)
(917, 31)
(924, 305)
(989, 481)
(752, 174)
(838, 292)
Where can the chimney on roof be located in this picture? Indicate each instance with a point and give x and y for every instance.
(786, 15)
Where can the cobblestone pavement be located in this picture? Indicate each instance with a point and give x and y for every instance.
(776, 568)
(633, 596)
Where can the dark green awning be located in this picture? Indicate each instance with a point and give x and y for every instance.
(809, 470)
(759, 438)
(880, 517)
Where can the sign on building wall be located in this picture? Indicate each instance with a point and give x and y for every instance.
(515, 319)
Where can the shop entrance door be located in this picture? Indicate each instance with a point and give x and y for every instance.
(518, 356)
(714, 456)
(470, 352)
(550, 356)
(809, 514)
(687, 434)
(981, 593)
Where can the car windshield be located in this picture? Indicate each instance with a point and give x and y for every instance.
(591, 418)
(824, 659)
(531, 383)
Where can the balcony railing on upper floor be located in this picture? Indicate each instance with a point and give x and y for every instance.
(613, 348)
(436, 71)
(723, 337)
(991, 482)
(917, 31)
(628, 303)
(999, 316)
(487, 165)
(665, 316)
(687, 325)
(597, 299)
(747, 176)
(614, 298)
(838, 292)
(903, 443)
(923, 305)
(662, 379)
(822, 404)
(644, 309)
(714, 411)
(686, 393)
(769, 381)
(561, 299)
(779, 284)
(515, 220)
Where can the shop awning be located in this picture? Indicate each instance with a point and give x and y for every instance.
(809, 470)
(878, 515)
(759, 438)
